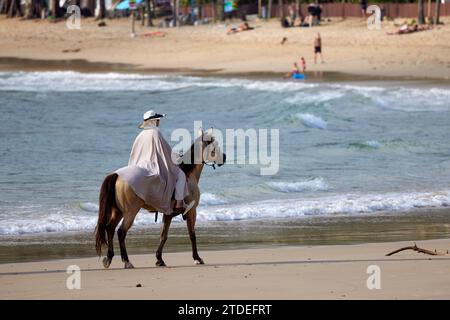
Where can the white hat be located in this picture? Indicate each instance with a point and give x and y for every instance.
(149, 116)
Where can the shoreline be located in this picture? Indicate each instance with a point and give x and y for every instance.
(307, 272)
(384, 227)
(14, 64)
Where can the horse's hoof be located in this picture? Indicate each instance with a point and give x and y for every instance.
(129, 265)
(160, 263)
(106, 262)
(199, 261)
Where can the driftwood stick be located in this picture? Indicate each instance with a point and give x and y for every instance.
(416, 248)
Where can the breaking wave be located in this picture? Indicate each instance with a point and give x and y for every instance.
(84, 217)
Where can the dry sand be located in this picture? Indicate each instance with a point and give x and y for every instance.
(348, 46)
(326, 272)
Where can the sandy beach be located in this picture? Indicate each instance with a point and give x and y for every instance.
(348, 46)
(325, 272)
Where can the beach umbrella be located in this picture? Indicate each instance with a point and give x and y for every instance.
(124, 5)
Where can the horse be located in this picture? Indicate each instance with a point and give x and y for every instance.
(118, 201)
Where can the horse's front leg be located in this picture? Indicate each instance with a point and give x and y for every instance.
(190, 221)
(163, 238)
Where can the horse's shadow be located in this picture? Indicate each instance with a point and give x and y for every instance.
(231, 264)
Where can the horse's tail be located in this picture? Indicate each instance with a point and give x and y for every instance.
(107, 201)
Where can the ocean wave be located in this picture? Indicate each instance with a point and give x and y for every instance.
(46, 223)
(76, 217)
(406, 99)
(65, 220)
(326, 206)
(316, 97)
(312, 121)
(89, 206)
(396, 98)
(70, 81)
(317, 184)
(370, 144)
(210, 199)
(349, 204)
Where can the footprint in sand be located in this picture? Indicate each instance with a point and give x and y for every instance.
(71, 50)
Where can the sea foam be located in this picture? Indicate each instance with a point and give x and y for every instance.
(317, 184)
(348, 204)
(312, 121)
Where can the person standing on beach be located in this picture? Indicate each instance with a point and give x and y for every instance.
(317, 48)
(363, 5)
(303, 64)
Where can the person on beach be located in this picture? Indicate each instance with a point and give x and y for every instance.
(303, 64)
(315, 13)
(363, 5)
(295, 70)
(318, 48)
(405, 28)
(243, 27)
(153, 156)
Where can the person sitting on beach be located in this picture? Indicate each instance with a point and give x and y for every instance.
(285, 23)
(295, 70)
(242, 27)
(298, 21)
(292, 15)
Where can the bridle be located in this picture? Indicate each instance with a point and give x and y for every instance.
(213, 164)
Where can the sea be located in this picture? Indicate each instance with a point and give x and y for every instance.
(359, 161)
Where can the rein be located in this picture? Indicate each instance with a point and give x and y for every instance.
(213, 165)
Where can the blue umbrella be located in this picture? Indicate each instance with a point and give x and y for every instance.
(126, 4)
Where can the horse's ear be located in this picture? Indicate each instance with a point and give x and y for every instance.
(200, 131)
(210, 131)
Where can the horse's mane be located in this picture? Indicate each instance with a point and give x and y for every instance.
(188, 167)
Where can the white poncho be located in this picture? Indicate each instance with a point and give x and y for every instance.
(151, 173)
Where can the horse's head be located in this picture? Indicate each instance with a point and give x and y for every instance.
(211, 152)
(204, 150)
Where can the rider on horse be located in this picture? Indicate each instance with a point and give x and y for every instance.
(152, 169)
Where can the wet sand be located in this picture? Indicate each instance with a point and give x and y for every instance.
(245, 234)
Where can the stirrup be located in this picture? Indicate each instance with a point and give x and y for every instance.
(185, 209)
(188, 207)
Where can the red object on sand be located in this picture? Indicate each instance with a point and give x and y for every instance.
(155, 34)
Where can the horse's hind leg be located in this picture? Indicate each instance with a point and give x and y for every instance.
(163, 238)
(122, 233)
(111, 229)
